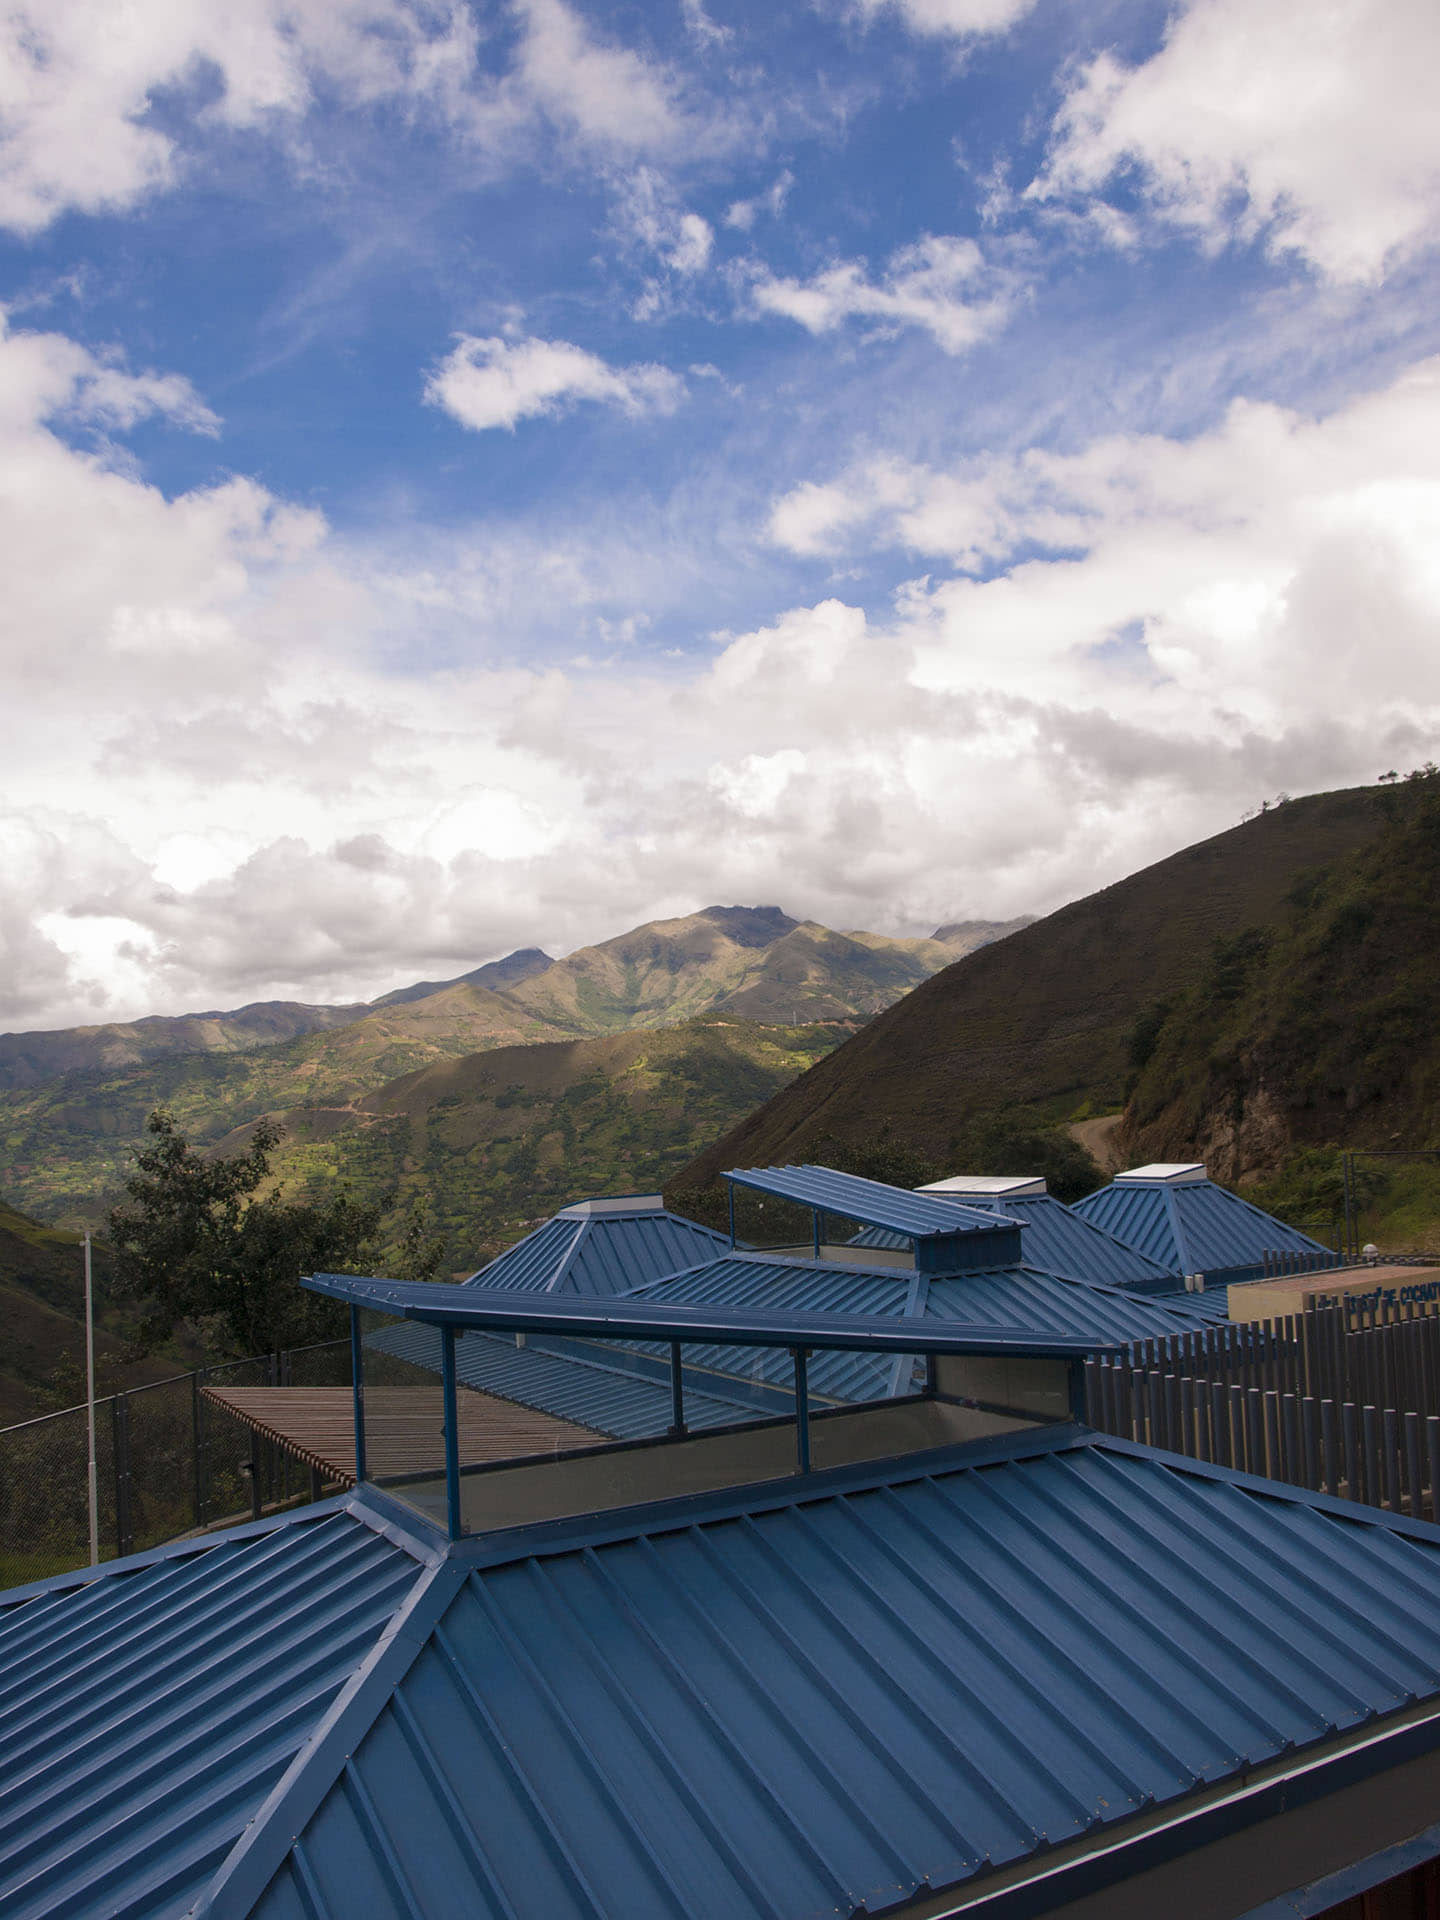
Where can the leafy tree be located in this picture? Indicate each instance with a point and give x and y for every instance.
(422, 1251)
(1309, 1189)
(1020, 1141)
(193, 1242)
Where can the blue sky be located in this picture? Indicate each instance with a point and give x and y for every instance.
(488, 476)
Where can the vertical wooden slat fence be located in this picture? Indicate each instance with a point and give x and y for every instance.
(1343, 1399)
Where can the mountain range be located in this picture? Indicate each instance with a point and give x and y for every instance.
(1246, 1001)
(76, 1102)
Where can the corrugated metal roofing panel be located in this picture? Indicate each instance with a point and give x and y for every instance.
(1043, 1302)
(1067, 1243)
(619, 1405)
(148, 1711)
(741, 1281)
(872, 1202)
(534, 1263)
(1006, 1297)
(600, 1253)
(1196, 1227)
(1059, 1240)
(1209, 1307)
(830, 1701)
(618, 1253)
(639, 1317)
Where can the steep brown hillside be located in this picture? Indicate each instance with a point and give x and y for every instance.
(1043, 1018)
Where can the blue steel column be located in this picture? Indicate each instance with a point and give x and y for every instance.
(1076, 1383)
(677, 1390)
(452, 1432)
(802, 1408)
(357, 1377)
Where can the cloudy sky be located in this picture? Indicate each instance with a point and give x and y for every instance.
(487, 475)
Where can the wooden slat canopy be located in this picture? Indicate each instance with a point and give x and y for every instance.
(402, 1427)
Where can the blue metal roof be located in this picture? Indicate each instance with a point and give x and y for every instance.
(1209, 1308)
(920, 1216)
(744, 1282)
(647, 1318)
(532, 1264)
(148, 1710)
(587, 1388)
(1019, 1298)
(825, 1695)
(594, 1384)
(1016, 1300)
(832, 1704)
(1060, 1241)
(1194, 1227)
(600, 1253)
(1016, 1297)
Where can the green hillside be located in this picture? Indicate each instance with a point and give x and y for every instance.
(30, 1059)
(498, 1140)
(1042, 1020)
(65, 1146)
(1318, 1028)
(42, 1310)
(65, 1143)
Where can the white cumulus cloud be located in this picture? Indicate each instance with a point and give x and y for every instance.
(1317, 129)
(964, 19)
(941, 283)
(498, 382)
(234, 770)
(80, 81)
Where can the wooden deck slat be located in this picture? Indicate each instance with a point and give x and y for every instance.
(403, 1427)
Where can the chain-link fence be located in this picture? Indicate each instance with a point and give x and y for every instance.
(167, 1461)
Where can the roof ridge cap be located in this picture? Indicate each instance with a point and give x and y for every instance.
(296, 1797)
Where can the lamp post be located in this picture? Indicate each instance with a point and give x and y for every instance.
(93, 1489)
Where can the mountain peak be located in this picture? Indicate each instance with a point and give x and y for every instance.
(496, 975)
(750, 926)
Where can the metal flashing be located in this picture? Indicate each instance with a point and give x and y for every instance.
(617, 1203)
(1169, 1833)
(1363, 1877)
(993, 1186)
(1427, 1532)
(149, 1712)
(987, 1678)
(1164, 1173)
